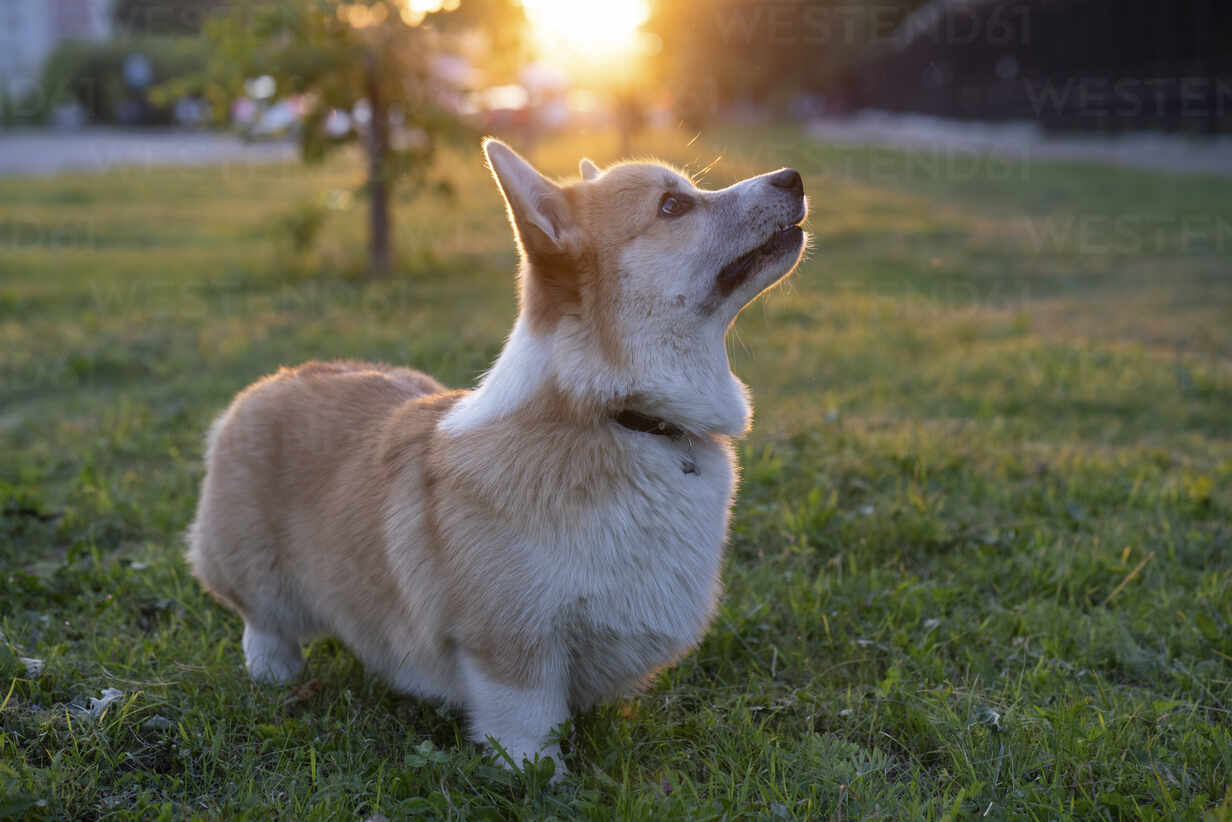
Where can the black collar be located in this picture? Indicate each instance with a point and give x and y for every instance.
(637, 421)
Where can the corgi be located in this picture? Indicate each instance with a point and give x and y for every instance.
(551, 538)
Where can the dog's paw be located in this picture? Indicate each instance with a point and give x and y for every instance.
(271, 659)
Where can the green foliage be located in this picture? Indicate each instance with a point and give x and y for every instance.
(980, 566)
(92, 73)
(337, 56)
(311, 48)
(301, 226)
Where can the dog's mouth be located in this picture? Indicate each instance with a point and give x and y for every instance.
(788, 238)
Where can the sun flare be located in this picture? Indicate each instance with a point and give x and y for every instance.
(580, 33)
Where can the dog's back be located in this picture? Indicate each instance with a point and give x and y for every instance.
(291, 505)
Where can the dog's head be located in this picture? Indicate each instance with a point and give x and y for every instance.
(631, 277)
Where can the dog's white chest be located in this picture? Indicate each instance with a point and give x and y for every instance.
(635, 585)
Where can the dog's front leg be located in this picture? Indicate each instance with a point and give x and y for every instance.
(518, 706)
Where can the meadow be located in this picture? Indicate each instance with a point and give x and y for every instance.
(980, 565)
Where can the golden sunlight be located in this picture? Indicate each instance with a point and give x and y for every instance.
(416, 10)
(364, 15)
(580, 33)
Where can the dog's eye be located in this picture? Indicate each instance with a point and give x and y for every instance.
(673, 205)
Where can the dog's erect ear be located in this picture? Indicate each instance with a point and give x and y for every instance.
(587, 169)
(538, 208)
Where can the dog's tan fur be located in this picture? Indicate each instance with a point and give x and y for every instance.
(512, 549)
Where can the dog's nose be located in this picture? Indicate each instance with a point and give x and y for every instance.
(788, 179)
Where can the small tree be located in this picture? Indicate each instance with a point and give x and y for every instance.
(369, 59)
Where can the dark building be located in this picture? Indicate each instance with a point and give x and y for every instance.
(1095, 65)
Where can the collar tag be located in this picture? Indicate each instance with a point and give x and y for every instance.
(646, 424)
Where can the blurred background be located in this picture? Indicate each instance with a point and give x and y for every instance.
(94, 84)
(547, 65)
(981, 560)
(991, 73)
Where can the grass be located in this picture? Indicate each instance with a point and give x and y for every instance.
(981, 564)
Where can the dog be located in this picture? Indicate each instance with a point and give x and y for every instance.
(552, 538)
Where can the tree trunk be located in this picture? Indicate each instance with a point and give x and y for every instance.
(379, 252)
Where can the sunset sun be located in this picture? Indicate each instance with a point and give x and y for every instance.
(579, 34)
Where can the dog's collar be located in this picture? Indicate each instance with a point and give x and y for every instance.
(646, 424)
(637, 421)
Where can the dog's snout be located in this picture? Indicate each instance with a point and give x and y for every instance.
(788, 179)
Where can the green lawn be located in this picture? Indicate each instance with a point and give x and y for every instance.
(981, 564)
